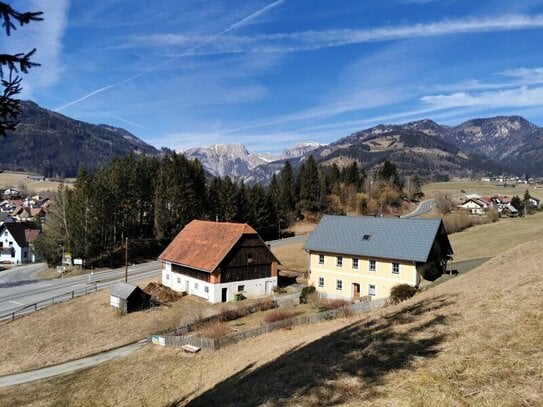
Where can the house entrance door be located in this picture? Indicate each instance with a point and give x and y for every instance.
(356, 291)
(187, 286)
(268, 287)
(224, 295)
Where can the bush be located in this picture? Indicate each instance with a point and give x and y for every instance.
(306, 292)
(214, 330)
(265, 304)
(278, 315)
(402, 292)
(228, 314)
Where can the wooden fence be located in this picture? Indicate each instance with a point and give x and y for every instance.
(27, 309)
(180, 338)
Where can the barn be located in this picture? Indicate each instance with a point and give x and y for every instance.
(219, 262)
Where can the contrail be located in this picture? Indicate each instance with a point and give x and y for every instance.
(237, 24)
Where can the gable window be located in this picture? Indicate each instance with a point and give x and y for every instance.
(395, 268)
(321, 258)
(339, 261)
(321, 282)
(339, 285)
(249, 258)
(371, 289)
(372, 265)
(355, 263)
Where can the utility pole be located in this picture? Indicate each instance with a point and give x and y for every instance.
(126, 261)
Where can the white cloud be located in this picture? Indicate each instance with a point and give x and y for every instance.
(46, 36)
(518, 97)
(312, 40)
(526, 76)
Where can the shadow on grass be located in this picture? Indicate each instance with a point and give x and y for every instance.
(350, 362)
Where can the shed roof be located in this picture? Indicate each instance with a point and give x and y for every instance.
(123, 290)
(203, 245)
(389, 238)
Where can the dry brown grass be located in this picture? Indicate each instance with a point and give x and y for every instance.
(492, 239)
(81, 327)
(292, 257)
(474, 340)
(302, 228)
(17, 179)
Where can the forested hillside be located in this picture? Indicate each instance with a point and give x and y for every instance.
(149, 200)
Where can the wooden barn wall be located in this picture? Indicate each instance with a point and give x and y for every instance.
(200, 275)
(237, 267)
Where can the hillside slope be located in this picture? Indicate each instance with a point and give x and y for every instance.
(55, 145)
(476, 339)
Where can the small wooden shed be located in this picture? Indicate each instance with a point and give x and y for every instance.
(128, 298)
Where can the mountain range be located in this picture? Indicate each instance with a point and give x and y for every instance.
(56, 146)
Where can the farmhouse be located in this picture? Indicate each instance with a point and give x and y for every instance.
(352, 256)
(476, 206)
(219, 261)
(16, 242)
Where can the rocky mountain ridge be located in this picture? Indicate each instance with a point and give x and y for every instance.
(56, 146)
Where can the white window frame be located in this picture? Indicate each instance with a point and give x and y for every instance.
(321, 258)
(370, 263)
(321, 282)
(372, 290)
(395, 268)
(355, 263)
(339, 261)
(339, 285)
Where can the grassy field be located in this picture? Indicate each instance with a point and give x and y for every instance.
(81, 327)
(494, 238)
(474, 340)
(20, 180)
(292, 257)
(481, 188)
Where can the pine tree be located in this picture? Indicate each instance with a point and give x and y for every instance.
(309, 185)
(10, 108)
(287, 191)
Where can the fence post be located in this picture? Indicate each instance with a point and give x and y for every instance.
(35, 306)
(72, 294)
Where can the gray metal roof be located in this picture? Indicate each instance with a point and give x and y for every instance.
(122, 290)
(389, 238)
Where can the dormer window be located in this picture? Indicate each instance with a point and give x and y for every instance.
(366, 237)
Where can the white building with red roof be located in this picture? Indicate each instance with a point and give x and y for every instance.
(219, 261)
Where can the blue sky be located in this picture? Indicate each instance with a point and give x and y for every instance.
(269, 74)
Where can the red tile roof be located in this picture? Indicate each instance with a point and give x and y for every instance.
(203, 245)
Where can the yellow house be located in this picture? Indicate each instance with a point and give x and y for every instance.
(354, 256)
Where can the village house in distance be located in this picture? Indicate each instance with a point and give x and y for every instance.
(354, 256)
(219, 261)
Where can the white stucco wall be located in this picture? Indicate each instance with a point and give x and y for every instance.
(213, 292)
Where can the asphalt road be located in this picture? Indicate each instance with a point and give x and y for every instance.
(20, 288)
(422, 208)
